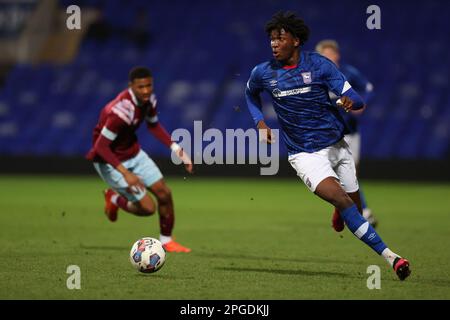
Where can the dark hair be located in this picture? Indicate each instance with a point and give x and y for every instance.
(290, 23)
(139, 73)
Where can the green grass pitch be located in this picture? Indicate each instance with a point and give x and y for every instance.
(259, 238)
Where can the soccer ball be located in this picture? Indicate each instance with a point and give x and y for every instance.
(147, 255)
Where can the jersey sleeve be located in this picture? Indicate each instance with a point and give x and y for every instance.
(153, 124)
(151, 118)
(338, 84)
(108, 134)
(252, 95)
(360, 83)
(119, 117)
(334, 79)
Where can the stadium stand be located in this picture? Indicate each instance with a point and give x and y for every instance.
(201, 53)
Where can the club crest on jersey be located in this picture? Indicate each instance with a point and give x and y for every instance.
(306, 77)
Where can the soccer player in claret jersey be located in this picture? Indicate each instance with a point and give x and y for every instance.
(330, 49)
(311, 126)
(125, 167)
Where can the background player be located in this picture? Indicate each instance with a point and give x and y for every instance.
(125, 167)
(330, 49)
(311, 126)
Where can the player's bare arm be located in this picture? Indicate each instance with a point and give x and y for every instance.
(186, 160)
(266, 132)
(183, 157)
(162, 135)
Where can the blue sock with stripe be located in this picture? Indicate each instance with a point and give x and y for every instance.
(362, 229)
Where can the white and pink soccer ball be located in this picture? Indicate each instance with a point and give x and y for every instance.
(147, 255)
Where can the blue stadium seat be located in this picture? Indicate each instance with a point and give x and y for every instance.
(201, 54)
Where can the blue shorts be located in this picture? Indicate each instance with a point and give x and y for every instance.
(141, 165)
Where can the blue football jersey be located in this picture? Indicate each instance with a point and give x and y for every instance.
(309, 121)
(362, 86)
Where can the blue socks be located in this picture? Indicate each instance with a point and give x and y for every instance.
(362, 229)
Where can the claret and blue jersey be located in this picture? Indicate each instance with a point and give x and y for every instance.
(308, 119)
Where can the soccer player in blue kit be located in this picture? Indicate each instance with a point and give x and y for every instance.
(330, 49)
(311, 126)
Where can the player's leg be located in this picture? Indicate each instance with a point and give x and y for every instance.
(313, 168)
(354, 144)
(316, 171)
(143, 207)
(163, 196)
(330, 190)
(119, 196)
(336, 221)
(139, 204)
(166, 216)
(153, 180)
(358, 225)
(355, 196)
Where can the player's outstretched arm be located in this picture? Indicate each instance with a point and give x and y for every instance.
(337, 83)
(252, 96)
(254, 105)
(162, 135)
(175, 147)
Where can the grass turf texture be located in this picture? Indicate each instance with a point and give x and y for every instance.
(252, 239)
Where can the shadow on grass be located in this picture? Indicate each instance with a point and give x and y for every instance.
(443, 283)
(109, 248)
(265, 258)
(297, 272)
(161, 276)
(418, 280)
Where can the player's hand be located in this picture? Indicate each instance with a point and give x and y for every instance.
(135, 185)
(346, 103)
(265, 133)
(186, 160)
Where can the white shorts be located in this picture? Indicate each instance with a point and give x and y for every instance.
(334, 161)
(354, 142)
(141, 165)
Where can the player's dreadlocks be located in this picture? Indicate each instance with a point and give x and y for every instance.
(290, 23)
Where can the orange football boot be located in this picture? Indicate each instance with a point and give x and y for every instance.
(173, 246)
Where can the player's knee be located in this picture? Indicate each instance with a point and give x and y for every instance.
(164, 195)
(146, 209)
(342, 201)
